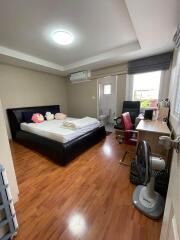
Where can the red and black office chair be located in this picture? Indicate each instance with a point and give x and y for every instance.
(133, 107)
(130, 135)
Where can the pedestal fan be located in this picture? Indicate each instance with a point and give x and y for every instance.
(145, 198)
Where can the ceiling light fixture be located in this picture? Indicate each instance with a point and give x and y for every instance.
(63, 37)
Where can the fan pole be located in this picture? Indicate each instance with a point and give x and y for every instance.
(150, 188)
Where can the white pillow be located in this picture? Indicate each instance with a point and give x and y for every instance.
(49, 116)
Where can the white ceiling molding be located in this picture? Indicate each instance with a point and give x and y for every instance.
(13, 54)
(107, 55)
(112, 70)
(29, 58)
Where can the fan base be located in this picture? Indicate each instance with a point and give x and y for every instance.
(151, 207)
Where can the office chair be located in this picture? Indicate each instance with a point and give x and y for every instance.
(130, 135)
(133, 107)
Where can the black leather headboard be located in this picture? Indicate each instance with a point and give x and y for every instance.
(15, 115)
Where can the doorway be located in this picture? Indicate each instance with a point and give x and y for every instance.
(107, 97)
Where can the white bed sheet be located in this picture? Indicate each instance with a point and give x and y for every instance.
(54, 130)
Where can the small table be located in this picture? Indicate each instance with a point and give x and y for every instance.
(150, 131)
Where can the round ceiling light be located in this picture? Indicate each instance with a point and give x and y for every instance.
(63, 37)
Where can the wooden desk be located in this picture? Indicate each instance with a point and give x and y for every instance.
(151, 131)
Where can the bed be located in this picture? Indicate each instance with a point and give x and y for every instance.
(62, 148)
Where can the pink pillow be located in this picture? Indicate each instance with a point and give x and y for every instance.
(60, 116)
(37, 118)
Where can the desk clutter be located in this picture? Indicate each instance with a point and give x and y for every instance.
(163, 114)
(8, 220)
(160, 113)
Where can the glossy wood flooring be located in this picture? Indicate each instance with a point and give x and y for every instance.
(89, 199)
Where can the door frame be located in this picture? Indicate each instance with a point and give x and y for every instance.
(98, 81)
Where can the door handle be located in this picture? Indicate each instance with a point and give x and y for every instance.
(169, 143)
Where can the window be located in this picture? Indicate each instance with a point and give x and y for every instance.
(146, 88)
(107, 89)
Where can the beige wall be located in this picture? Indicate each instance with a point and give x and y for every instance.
(22, 87)
(6, 157)
(82, 97)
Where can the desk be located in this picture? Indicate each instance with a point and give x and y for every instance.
(151, 131)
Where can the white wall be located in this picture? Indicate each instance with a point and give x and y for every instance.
(22, 87)
(6, 157)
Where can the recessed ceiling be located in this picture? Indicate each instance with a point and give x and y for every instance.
(105, 32)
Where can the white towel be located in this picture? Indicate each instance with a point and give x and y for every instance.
(79, 123)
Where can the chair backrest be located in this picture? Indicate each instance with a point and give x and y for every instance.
(133, 107)
(126, 121)
(127, 125)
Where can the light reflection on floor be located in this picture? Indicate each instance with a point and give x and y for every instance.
(77, 224)
(107, 150)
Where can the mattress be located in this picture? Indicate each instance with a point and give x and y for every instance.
(54, 130)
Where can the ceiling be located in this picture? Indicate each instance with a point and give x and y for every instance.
(106, 32)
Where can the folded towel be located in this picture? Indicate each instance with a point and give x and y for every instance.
(79, 123)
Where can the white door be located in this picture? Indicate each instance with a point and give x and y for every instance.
(171, 220)
(107, 97)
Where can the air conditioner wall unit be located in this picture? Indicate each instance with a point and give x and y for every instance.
(80, 76)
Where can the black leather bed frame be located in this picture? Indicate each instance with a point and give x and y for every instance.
(62, 152)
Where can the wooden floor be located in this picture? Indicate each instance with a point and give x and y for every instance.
(89, 199)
